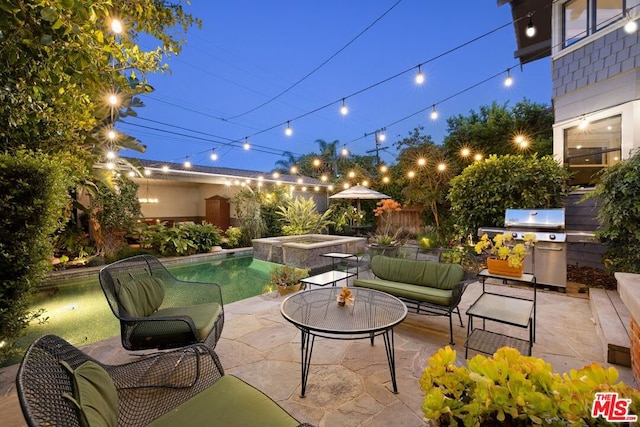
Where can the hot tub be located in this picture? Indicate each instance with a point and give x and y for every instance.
(304, 250)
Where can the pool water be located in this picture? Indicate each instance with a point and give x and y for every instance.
(78, 310)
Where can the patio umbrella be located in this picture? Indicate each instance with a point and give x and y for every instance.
(357, 192)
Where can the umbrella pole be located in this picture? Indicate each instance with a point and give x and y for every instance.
(358, 212)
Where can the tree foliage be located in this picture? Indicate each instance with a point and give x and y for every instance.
(618, 194)
(483, 191)
(494, 129)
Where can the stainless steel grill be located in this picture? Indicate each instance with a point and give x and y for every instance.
(548, 259)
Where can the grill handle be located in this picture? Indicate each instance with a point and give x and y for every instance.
(541, 248)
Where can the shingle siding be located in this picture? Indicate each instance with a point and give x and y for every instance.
(605, 57)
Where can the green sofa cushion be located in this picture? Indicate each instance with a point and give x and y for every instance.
(405, 290)
(204, 316)
(229, 402)
(424, 273)
(94, 395)
(141, 296)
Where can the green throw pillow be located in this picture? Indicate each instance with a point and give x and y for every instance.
(94, 395)
(141, 296)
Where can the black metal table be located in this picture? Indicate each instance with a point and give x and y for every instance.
(317, 314)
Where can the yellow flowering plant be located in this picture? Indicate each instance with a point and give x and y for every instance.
(504, 247)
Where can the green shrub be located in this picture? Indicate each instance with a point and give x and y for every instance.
(300, 216)
(234, 234)
(483, 191)
(204, 236)
(514, 390)
(33, 201)
(123, 253)
(618, 194)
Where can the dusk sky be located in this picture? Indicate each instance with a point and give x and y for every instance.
(249, 52)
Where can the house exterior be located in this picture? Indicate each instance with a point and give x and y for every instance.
(169, 192)
(595, 69)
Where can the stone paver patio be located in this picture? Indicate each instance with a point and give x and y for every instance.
(349, 382)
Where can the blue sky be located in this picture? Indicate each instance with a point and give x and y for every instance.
(249, 51)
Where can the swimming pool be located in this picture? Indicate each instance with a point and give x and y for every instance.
(78, 311)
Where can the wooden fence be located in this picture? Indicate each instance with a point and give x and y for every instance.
(409, 219)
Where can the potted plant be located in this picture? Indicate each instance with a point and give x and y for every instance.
(510, 389)
(385, 242)
(287, 278)
(505, 257)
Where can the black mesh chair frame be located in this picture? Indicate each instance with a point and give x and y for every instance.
(160, 332)
(147, 387)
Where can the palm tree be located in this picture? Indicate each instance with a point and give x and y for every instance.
(284, 165)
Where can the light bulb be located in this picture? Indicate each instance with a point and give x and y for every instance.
(111, 134)
(434, 113)
(477, 157)
(111, 155)
(323, 178)
(246, 145)
(352, 174)
(465, 152)
(300, 181)
(113, 99)
(383, 168)
(382, 136)
(110, 165)
(631, 27)
(165, 168)
(330, 188)
(583, 123)
(442, 167)
(214, 156)
(345, 185)
(344, 110)
(131, 174)
(411, 174)
(531, 29)
(420, 77)
(116, 26)
(508, 81)
(294, 169)
(147, 172)
(344, 152)
(385, 179)
(422, 161)
(275, 175)
(288, 131)
(187, 164)
(317, 162)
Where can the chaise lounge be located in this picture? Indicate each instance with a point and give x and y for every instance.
(426, 287)
(158, 311)
(59, 385)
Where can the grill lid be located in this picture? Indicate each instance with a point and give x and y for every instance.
(546, 219)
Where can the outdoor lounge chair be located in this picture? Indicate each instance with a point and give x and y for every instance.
(158, 311)
(59, 385)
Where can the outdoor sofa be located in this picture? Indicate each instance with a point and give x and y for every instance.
(158, 311)
(426, 287)
(59, 385)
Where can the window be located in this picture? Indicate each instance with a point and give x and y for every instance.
(582, 18)
(591, 148)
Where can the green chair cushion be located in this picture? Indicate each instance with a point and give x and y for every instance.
(141, 296)
(228, 402)
(204, 316)
(94, 395)
(405, 290)
(424, 273)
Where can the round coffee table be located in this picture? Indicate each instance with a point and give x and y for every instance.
(317, 314)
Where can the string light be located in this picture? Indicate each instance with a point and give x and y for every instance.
(345, 185)
(324, 178)
(385, 179)
(419, 76)
(317, 162)
(214, 155)
(116, 26)
(422, 161)
(330, 188)
(165, 168)
(365, 183)
(411, 174)
(187, 163)
(246, 144)
(434, 113)
(477, 157)
(381, 136)
(344, 152)
(294, 169)
(111, 165)
(442, 167)
(275, 175)
(352, 174)
(131, 174)
(465, 152)
(147, 172)
(113, 99)
(509, 80)
(112, 134)
(344, 110)
(531, 29)
(383, 168)
(111, 155)
(300, 181)
(288, 131)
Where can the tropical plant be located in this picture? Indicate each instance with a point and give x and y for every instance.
(247, 203)
(301, 216)
(515, 390)
(481, 194)
(204, 236)
(618, 194)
